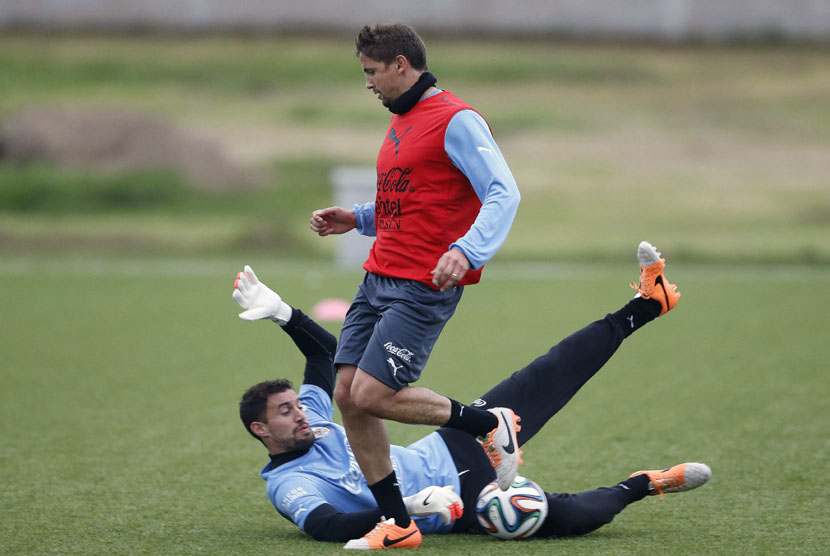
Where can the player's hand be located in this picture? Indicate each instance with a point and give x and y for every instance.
(332, 220)
(258, 300)
(435, 500)
(451, 268)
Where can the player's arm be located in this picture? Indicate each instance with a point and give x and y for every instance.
(471, 147)
(314, 342)
(326, 523)
(318, 346)
(297, 498)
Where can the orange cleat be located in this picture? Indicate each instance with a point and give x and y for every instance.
(387, 535)
(653, 283)
(680, 478)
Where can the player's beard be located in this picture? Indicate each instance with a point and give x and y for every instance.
(304, 444)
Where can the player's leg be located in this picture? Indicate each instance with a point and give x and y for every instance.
(375, 363)
(474, 473)
(368, 437)
(579, 514)
(367, 434)
(369, 441)
(413, 317)
(412, 404)
(538, 391)
(541, 389)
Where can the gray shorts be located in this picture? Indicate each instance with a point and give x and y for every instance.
(391, 327)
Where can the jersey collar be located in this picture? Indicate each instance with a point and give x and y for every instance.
(285, 457)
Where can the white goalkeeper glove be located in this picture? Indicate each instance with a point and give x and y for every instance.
(435, 500)
(258, 300)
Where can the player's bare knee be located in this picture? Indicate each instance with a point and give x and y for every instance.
(343, 397)
(368, 401)
(343, 388)
(371, 395)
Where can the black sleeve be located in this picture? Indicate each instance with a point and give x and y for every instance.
(325, 523)
(318, 346)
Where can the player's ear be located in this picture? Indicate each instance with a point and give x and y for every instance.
(259, 429)
(401, 63)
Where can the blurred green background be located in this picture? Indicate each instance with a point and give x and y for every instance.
(123, 358)
(717, 152)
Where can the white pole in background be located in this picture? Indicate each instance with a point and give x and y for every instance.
(353, 185)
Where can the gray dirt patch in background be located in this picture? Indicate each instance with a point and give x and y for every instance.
(118, 141)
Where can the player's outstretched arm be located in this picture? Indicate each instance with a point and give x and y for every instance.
(435, 500)
(258, 300)
(315, 342)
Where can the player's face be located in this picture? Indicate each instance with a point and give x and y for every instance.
(287, 423)
(385, 81)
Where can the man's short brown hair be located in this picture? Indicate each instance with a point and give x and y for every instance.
(385, 41)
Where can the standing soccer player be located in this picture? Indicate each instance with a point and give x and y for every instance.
(445, 203)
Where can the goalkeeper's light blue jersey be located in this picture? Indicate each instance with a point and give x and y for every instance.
(329, 473)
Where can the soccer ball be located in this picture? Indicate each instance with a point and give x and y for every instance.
(515, 513)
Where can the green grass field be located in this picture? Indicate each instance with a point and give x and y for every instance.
(123, 358)
(121, 378)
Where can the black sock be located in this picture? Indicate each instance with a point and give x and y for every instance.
(389, 499)
(472, 420)
(636, 488)
(636, 313)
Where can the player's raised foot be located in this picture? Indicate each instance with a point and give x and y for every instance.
(679, 478)
(387, 535)
(502, 446)
(653, 283)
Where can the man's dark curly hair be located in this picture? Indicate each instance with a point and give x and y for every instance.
(384, 41)
(255, 400)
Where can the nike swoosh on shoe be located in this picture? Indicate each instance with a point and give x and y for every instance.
(509, 447)
(389, 542)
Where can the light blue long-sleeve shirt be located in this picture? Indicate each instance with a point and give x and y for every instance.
(472, 149)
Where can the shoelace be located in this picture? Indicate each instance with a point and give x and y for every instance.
(668, 482)
(639, 286)
(657, 486)
(648, 276)
(493, 453)
(381, 525)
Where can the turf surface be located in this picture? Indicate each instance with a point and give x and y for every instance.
(121, 378)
